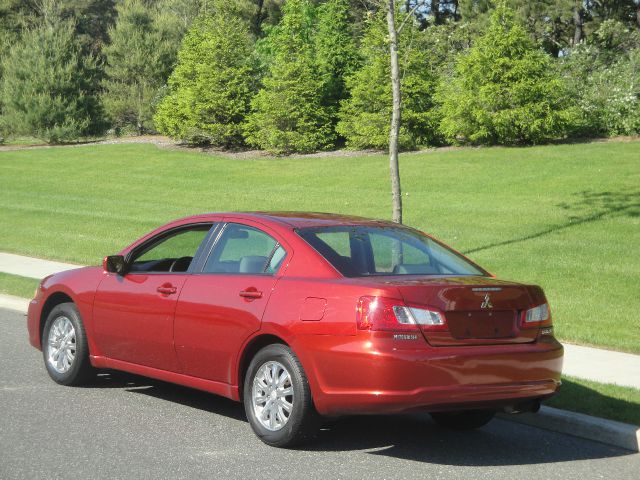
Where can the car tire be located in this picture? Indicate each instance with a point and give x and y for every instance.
(463, 420)
(267, 411)
(64, 346)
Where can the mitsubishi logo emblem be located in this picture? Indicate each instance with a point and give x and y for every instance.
(486, 303)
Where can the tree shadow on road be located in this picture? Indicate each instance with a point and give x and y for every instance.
(410, 437)
(586, 207)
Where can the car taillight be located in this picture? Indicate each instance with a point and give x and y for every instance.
(380, 313)
(536, 317)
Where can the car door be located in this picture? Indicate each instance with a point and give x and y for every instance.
(133, 313)
(221, 306)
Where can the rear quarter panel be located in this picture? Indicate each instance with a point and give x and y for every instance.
(288, 302)
(287, 318)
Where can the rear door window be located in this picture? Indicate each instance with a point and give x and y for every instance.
(242, 249)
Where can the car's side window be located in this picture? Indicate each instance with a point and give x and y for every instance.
(170, 253)
(246, 250)
(276, 260)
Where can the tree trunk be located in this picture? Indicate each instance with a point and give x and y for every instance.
(578, 21)
(257, 25)
(638, 14)
(435, 11)
(395, 115)
(139, 115)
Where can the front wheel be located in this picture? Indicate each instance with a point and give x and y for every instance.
(277, 398)
(64, 346)
(463, 420)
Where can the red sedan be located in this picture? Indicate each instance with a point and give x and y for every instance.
(304, 315)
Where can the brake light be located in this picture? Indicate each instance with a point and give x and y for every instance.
(536, 317)
(380, 313)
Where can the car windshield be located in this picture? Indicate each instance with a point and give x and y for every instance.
(360, 251)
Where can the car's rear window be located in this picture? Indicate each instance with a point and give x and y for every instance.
(359, 251)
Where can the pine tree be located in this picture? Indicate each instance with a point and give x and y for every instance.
(93, 19)
(288, 114)
(211, 87)
(47, 85)
(336, 55)
(139, 60)
(504, 90)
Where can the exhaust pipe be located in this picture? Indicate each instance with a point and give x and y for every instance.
(531, 406)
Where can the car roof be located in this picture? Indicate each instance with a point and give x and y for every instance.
(299, 219)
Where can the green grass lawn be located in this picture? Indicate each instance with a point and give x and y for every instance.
(18, 286)
(598, 399)
(566, 217)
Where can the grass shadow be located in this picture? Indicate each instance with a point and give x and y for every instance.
(588, 206)
(580, 397)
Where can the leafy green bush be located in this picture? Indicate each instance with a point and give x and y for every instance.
(610, 99)
(504, 90)
(47, 88)
(211, 87)
(605, 76)
(288, 114)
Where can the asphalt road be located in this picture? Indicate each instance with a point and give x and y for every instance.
(130, 427)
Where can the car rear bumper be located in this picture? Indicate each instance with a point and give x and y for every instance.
(373, 373)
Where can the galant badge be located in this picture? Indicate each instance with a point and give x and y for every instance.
(486, 303)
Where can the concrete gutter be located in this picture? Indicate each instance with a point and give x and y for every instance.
(17, 304)
(577, 424)
(580, 425)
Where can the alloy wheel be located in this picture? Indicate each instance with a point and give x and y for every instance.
(61, 345)
(272, 395)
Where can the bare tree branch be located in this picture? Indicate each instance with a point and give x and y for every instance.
(409, 15)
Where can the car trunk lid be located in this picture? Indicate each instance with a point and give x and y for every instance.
(478, 310)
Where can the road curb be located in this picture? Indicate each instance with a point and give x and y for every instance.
(580, 425)
(11, 302)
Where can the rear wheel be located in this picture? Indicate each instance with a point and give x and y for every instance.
(64, 346)
(277, 398)
(464, 419)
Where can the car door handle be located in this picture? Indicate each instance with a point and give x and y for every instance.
(250, 293)
(167, 289)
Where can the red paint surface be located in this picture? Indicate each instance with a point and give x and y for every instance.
(198, 335)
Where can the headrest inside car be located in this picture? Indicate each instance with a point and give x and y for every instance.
(253, 264)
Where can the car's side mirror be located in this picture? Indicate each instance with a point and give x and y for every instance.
(114, 264)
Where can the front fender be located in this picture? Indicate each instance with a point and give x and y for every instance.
(78, 286)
